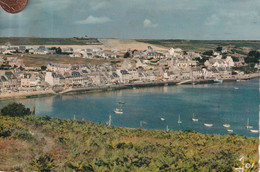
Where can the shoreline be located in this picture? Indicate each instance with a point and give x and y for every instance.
(71, 91)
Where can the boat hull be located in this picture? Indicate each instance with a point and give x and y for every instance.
(208, 125)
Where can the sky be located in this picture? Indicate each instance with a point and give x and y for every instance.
(136, 19)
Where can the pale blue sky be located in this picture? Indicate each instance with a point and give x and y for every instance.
(150, 19)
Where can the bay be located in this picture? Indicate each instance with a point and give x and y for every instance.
(231, 102)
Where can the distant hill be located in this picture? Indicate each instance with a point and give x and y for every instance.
(48, 41)
(203, 45)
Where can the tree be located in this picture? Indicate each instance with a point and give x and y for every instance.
(43, 68)
(127, 54)
(15, 109)
(252, 57)
(58, 50)
(219, 49)
(209, 53)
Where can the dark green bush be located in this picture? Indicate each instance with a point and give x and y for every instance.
(15, 109)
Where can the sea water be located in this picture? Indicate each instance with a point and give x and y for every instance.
(217, 104)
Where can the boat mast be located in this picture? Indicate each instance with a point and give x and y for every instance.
(109, 121)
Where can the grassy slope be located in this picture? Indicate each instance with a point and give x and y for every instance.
(47, 41)
(85, 146)
(201, 46)
(35, 60)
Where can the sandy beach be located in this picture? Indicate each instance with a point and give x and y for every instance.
(25, 94)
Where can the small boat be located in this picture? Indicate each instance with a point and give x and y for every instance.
(179, 120)
(218, 80)
(162, 119)
(247, 124)
(226, 125)
(208, 125)
(254, 131)
(236, 88)
(118, 111)
(230, 131)
(194, 119)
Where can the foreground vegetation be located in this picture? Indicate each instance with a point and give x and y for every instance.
(37, 143)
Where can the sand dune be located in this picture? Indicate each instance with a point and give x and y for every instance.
(124, 44)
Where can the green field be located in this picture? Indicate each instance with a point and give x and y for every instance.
(47, 41)
(204, 45)
(38, 143)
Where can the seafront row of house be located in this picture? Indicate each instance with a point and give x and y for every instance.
(134, 67)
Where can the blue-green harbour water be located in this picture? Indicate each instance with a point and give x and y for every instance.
(232, 102)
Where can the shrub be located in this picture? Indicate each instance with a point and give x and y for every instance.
(43, 163)
(15, 109)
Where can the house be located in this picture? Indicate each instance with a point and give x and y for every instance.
(11, 78)
(29, 80)
(140, 63)
(1, 60)
(68, 50)
(59, 68)
(4, 82)
(123, 75)
(215, 63)
(54, 79)
(26, 80)
(229, 61)
(89, 55)
(76, 54)
(126, 64)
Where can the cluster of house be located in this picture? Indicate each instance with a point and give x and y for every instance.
(72, 52)
(17, 81)
(144, 66)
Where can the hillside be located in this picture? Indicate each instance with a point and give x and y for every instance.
(204, 45)
(35, 143)
(48, 41)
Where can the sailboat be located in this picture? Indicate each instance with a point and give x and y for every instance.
(167, 128)
(119, 110)
(208, 125)
(194, 119)
(247, 124)
(179, 120)
(226, 125)
(109, 120)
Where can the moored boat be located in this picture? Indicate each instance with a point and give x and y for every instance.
(226, 125)
(208, 125)
(194, 119)
(218, 80)
(254, 131)
(230, 131)
(118, 111)
(179, 120)
(247, 124)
